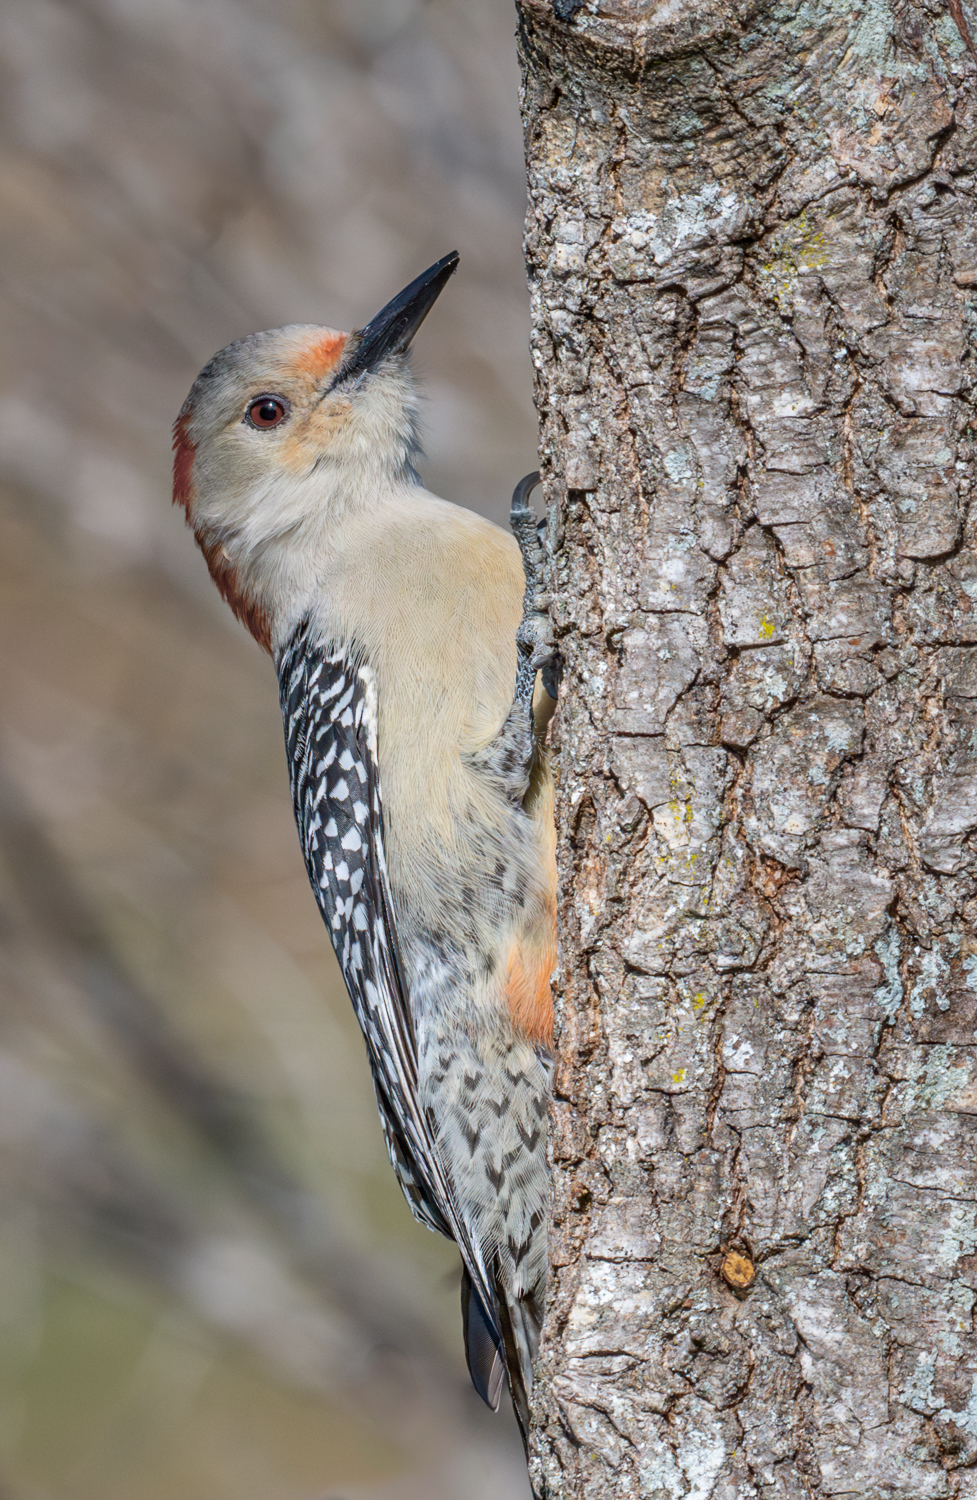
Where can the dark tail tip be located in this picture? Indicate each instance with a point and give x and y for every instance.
(520, 1318)
(483, 1345)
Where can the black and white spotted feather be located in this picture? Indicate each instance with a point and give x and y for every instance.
(329, 707)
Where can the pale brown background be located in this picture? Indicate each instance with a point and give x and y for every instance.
(210, 1287)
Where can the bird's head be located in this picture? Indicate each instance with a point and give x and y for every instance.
(283, 431)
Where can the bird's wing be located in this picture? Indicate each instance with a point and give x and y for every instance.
(329, 705)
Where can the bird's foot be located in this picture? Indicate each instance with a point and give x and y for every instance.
(535, 640)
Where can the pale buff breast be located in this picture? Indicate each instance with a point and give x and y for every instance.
(433, 595)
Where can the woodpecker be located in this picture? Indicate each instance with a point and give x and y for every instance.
(416, 673)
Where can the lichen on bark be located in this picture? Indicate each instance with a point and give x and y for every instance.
(753, 261)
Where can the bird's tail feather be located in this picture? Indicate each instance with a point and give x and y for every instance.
(483, 1344)
(502, 1342)
(520, 1319)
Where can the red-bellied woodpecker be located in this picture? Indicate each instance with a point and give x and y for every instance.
(410, 640)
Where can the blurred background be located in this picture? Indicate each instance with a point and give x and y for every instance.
(210, 1286)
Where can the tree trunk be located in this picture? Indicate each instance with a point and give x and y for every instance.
(753, 261)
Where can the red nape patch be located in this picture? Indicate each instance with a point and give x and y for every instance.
(218, 562)
(246, 610)
(183, 455)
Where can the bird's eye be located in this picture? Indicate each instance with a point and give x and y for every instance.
(267, 411)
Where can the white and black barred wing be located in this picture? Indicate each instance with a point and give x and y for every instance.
(330, 712)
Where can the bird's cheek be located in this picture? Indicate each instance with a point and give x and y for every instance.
(323, 432)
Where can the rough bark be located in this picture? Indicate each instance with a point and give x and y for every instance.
(753, 260)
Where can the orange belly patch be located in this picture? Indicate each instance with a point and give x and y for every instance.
(532, 957)
(528, 990)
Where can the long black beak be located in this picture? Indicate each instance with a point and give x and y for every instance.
(391, 331)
